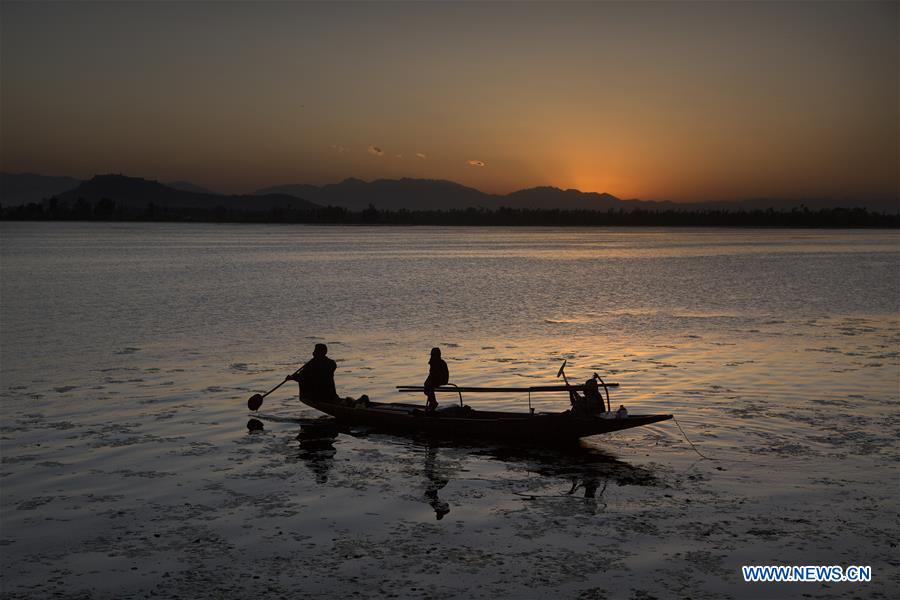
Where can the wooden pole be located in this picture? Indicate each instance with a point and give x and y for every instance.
(500, 390)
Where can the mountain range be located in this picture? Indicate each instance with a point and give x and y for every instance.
(429, 194)
(438, 194)
(355, 194)
(134, 195)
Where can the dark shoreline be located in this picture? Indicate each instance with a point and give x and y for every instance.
(835, 218)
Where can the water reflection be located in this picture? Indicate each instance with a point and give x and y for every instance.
(584, 467)
(317, 438)
(589, 484)
(580, 471)
(434, 482)
(572, 472)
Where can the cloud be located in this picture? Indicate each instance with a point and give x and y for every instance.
(376, 151)
(399, 156)
(338, 148)
(476, 163)
(420, 155)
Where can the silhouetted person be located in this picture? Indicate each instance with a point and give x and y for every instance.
(438, 375)
(591, 403)
(593, 397)
(316, 377)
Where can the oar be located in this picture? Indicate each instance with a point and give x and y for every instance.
(256, 400)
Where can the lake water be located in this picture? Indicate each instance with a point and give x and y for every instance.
(128, 351)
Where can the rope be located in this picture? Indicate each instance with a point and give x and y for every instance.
(689, 441)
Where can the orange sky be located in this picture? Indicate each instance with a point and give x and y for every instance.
(677, 100)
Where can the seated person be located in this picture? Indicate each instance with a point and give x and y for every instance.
(591, 403)
(438, 375)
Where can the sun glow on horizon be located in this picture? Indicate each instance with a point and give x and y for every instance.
(669, 101)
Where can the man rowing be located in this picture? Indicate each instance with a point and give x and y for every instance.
(316, 377)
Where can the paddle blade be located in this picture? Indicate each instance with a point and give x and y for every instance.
(255, 402)
(563, 366)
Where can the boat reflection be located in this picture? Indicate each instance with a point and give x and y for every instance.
(579, 471)
(576, 472)
(584, 466)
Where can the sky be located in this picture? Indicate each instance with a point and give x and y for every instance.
(654, 100)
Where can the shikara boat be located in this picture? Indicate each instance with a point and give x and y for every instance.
(536, 427)
(463, 421)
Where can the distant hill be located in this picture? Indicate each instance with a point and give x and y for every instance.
(547, 197)
(187, 186)
(390, 194)
(134, 195)
(300, 190)
(17, 189)
(439, 194)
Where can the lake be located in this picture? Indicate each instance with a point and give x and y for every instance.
(128, 351)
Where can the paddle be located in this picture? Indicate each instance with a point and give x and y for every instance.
(256, 400)
(562, 373)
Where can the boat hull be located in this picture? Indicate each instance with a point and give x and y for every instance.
(410, 418)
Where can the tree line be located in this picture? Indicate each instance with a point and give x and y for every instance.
(106, 209)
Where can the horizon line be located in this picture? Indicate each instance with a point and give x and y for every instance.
(735, 199)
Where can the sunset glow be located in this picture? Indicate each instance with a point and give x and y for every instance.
(679, 101)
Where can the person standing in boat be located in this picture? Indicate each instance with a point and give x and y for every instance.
(316, 377)
(438, 375)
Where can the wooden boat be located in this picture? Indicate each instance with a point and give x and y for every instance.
(461, 421)
(480, 423)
